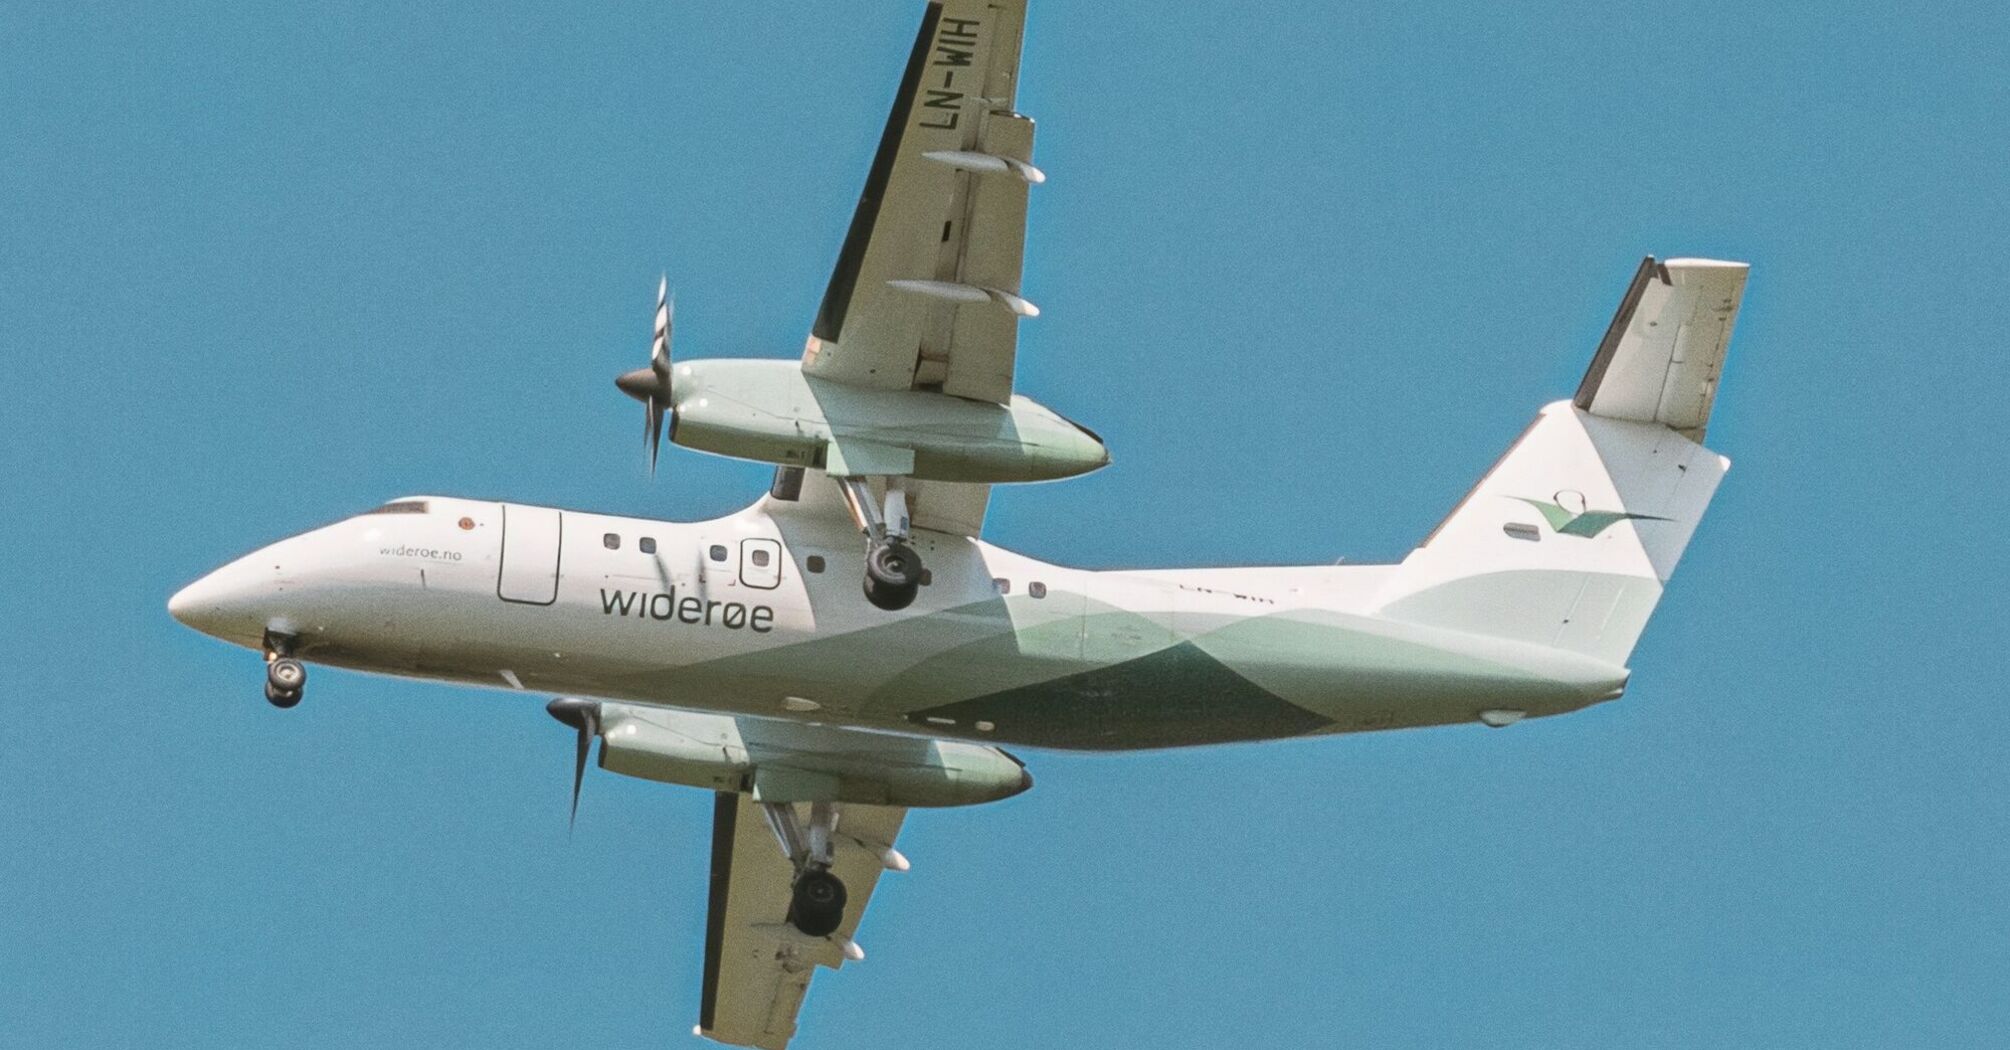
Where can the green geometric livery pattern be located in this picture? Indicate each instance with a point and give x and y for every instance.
(1171, 698)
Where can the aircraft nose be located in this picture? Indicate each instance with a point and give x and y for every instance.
(202, 604)
(185, 602)
(228, 603)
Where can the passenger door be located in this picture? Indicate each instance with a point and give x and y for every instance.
(530, 539)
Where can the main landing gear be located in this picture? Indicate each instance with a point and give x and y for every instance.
(817, 897)
(892, 568)
(285, 677)
(816, 904)
(892, 574)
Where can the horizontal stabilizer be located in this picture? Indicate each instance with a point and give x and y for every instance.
(1662, 356)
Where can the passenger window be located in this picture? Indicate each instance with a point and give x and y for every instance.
(815, 563)
(648, 544)
(759, 558)
(611, 541)
(927, 577)
(1004, 585)
(717, 552)
(1037, 589)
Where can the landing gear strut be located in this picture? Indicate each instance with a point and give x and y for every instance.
(817, 898)
(892, 568)
(285, 677)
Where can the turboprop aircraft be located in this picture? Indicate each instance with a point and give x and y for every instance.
(848, 647)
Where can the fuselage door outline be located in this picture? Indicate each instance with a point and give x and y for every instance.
(527, 572)
(755, 574)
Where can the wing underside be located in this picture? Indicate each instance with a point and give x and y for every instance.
(925, 294)
(951, 507)
(757, 968)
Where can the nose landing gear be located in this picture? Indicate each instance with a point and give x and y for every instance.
(285, 677)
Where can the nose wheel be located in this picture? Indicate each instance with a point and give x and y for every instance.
(285, 677)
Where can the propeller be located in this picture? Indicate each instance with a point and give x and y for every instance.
(583, 715)
(651, 385)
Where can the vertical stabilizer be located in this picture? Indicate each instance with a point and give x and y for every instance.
(1568, 541)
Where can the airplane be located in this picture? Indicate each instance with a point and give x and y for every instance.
(848, 647)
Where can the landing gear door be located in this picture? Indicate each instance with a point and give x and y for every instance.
(761, 564)
(530, 541)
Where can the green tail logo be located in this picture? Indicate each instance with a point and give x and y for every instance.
(1569, 516)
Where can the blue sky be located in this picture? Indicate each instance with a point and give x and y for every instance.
(1308, 269)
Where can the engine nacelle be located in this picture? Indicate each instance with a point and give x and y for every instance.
(768, 410)
(789, 762)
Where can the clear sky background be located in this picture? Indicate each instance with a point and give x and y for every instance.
(1307, 268)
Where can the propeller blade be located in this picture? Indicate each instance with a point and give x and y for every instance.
(659, 348)
(579, 768)
(583, 715)
(655, 433)
(651, 385)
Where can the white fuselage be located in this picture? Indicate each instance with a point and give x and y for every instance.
(761, 613)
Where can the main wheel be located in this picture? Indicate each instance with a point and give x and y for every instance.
(286, 675)
(894, 564)
(816, 906)
(892, 599)
(892, 575)
(281, 698)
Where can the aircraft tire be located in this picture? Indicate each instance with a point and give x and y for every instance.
(892, 599)
(281, 698)
(894, 564)
(286, 675)
(816, 905)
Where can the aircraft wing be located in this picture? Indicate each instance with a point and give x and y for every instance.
(757, 967)
(956, 508)
(925, 293)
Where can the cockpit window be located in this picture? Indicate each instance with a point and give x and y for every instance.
(403, 506)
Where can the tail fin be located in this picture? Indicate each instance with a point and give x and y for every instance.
(1569, 539)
